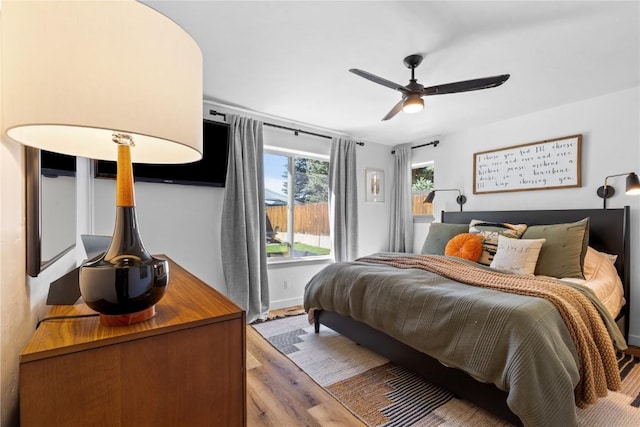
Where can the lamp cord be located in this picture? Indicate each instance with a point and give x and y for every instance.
(76, 316)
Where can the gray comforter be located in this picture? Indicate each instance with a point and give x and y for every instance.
(519, 343)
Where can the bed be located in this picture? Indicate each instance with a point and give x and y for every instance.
(509, 390)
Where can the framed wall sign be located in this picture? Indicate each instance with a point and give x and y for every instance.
(543, 165)
(374, 185)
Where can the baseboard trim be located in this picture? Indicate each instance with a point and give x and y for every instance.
(634, 340)
(285, 303)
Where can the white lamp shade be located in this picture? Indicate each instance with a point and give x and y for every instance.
(75, 72)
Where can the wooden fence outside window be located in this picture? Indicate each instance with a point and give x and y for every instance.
(420, 208)
(310, 218)
(313, 218)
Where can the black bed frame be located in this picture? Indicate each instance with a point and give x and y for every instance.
(608, 232)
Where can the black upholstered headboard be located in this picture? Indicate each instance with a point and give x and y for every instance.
(608, 232)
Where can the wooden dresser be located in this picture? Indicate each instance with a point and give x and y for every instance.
(184, 367)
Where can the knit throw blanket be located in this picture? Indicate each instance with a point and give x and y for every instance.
(598, 367)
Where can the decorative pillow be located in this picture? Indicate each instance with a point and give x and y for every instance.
(465, 245)
(439, 235)
(594, 261)
(517, 255)
(562, 255)
(490, 231)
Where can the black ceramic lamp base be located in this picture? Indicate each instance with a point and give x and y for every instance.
(126, 282)
(124, 290)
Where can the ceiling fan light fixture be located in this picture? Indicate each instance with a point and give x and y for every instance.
(413, 104)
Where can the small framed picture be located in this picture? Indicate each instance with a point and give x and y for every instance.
(374, 185)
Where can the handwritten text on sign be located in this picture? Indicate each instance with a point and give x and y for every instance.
(540, 165)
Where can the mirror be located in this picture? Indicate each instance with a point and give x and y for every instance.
(51, 207)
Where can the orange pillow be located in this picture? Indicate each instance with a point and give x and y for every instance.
(465, 245)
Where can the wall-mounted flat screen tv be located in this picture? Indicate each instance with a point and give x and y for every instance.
(210, 171)
(53, 165)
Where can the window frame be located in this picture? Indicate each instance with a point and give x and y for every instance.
(422, 218)
(291, 155)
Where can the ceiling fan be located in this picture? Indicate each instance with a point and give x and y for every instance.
(412, 93)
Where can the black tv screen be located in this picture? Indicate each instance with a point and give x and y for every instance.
(53, 164)
(210, 171)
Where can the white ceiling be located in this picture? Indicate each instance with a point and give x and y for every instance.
(290, 59)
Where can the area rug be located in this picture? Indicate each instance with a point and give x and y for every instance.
(383, 394)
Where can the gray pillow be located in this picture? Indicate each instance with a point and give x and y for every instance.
(439, 235)
(562, 254)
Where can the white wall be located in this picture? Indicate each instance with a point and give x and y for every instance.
(373, 217)
(610, 126)
(15, 314)
(22, 298)
(17, 317)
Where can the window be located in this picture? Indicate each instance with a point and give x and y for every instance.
(297, 194)
(421, 184)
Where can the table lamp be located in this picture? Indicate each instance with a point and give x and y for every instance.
(109, 80)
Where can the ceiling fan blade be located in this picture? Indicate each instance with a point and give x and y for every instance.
(379, 80)
(395, 110)
(466, 85)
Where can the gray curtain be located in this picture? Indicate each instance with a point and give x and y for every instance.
(343, 199)
(243, 234)
(401, 224)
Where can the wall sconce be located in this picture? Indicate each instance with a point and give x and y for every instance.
(461, 199)
(607, 191)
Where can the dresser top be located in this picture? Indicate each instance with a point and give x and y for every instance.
(188, 302)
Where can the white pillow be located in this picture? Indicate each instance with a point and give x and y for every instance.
(517, 255)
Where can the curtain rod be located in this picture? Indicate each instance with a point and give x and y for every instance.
(295, 131)
(434, 143)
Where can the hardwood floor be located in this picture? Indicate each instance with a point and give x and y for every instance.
(281, 394)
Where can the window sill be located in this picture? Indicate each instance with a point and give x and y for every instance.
(277, 262)
(423, 219)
